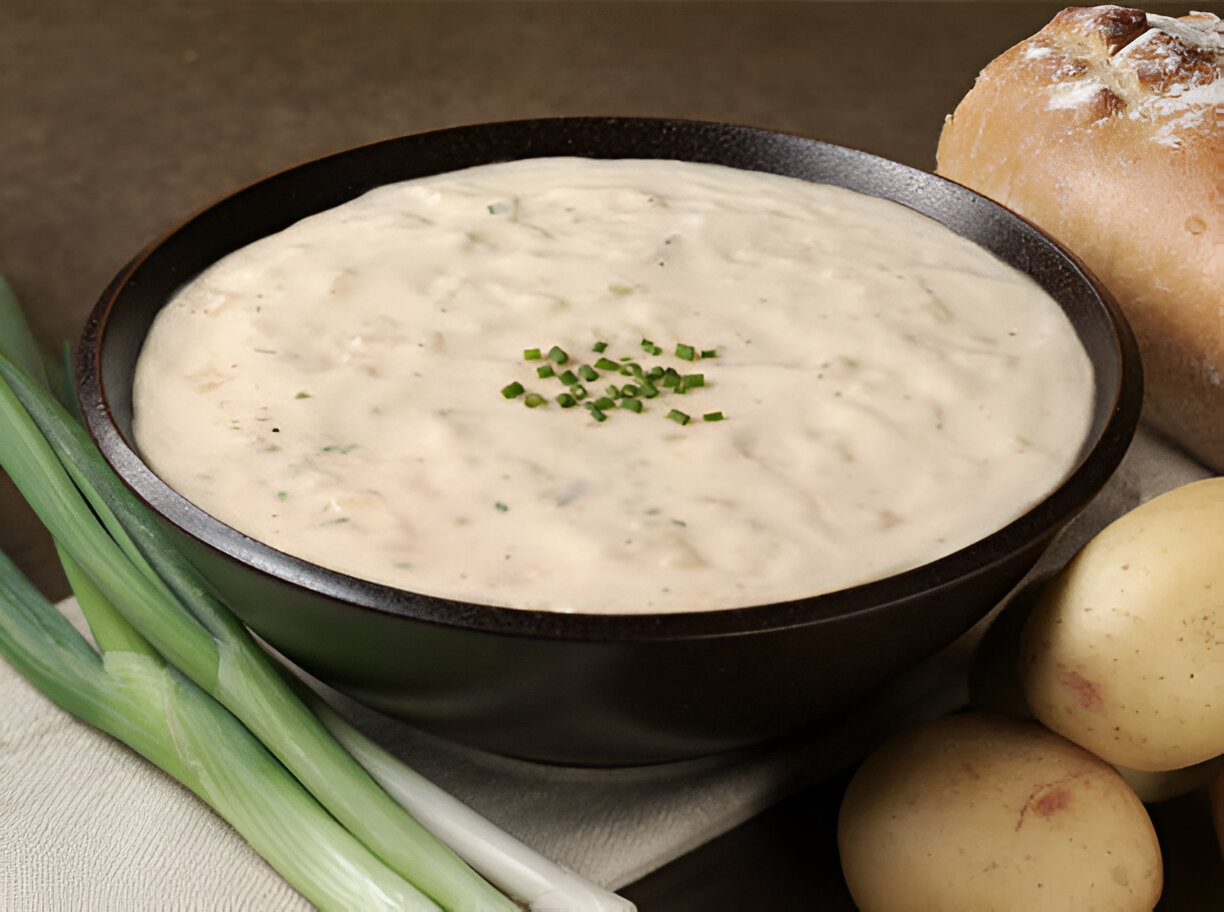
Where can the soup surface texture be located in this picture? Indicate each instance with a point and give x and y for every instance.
(867, 391)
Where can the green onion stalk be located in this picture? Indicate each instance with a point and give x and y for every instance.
(181, 681)
(131, 693)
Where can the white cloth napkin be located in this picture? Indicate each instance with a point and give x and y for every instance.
(87, 824)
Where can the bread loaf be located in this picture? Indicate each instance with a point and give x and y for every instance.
(1106, 129)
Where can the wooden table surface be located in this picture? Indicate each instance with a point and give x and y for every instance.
(118, 119)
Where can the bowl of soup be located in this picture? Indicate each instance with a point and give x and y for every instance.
(609, 441)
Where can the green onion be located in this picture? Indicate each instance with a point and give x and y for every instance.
(534, 400)
(565, 400)
(603, 402)
(596, 412)
(685, 352)
(633, 405)
(520, 871)
(568, 377)
(512, 390)
(131, 693)
(678, 416)
(630, 389)
(709, 353)
(614, 391)
(649, 390)
(670, 379)
(302, 396)
(557, 355)
(712, 416)
(579, 391)
(691, 381)
(600, 347)
(588, 373)
(607, 364)
(532, 354)
(545, 371)
(651, 348)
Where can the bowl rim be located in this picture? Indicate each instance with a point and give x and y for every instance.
(1100, 455)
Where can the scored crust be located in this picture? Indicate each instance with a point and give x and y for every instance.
(1106, 129)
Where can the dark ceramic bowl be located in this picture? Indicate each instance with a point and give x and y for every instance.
(590, 689)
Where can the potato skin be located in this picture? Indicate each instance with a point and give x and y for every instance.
(984, 812)
(1124, 652)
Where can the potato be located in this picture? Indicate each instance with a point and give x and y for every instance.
(982, 812)
(1124, 652)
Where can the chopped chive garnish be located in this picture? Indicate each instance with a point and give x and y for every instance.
(501, 506)
(647, 382)
(282, 495)
(302, 395)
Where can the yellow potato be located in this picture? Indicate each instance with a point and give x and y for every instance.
(987, 813)
(1124, 652)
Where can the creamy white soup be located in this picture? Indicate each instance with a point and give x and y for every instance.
(469, 386)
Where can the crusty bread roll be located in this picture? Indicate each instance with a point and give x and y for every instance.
(1106, 129)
